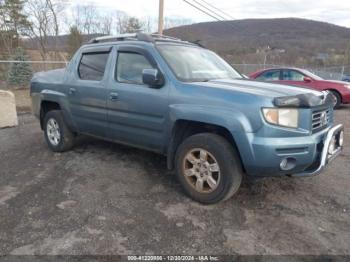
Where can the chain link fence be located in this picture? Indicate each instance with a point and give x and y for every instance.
(332, 73)
(36, 66)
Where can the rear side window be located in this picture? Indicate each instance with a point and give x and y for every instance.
(269, 76)
(92, 66)
(130, 67)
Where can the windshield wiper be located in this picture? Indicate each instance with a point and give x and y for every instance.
(200, 80)
(208, 79)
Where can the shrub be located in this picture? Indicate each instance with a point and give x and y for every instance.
(19, 74)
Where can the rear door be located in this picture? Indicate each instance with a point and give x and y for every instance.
(137, 113)
(87, 91)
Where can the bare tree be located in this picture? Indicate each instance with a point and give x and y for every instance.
(149, 24)
(43, 15)
(106, 24)
(89, 18)
(39, 25)
(121, 22)
(55, 9)
(76, 18)
(173, 22)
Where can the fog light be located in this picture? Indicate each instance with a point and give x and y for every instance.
(284, 164)
(288, 163)
(341, 138)
(331, 147)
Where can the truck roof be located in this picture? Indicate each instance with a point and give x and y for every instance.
(138, 37)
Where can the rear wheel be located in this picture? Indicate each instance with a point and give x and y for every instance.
(57, 134)
(337, 98)
(208, 168)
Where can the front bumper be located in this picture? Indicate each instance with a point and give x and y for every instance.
(332, 139)
(309, 153)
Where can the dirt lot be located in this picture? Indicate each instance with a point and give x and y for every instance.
(104, 198)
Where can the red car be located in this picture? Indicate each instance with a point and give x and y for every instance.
(304, 78)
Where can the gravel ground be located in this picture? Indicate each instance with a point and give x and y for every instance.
(103, 198)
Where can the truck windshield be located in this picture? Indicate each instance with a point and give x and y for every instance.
(194, 64)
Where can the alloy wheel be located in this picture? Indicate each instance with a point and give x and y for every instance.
(53, 132)
(201, 170)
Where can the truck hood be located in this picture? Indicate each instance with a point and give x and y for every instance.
(258, 88)
(52, 76)
(279, 95)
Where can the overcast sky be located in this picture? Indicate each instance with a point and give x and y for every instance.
(332, 11)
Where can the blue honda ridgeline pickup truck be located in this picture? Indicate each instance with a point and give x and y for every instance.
(181, 100)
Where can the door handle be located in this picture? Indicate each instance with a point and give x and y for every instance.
(113, 96)
(72, 91)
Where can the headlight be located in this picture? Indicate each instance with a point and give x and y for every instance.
(281, 116)
(347, 86)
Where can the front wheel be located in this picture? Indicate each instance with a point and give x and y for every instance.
(208, 168)
(57, 134)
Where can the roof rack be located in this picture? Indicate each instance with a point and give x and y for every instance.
(159, 36)
(134, 36)
(122, 37)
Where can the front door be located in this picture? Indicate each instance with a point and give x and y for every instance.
(137, 113)
(87, 92)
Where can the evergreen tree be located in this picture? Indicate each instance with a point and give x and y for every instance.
(133, 25)
(20, 73)
(13, 23)
(75, 40)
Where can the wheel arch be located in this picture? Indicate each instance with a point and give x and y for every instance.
(54, 100)
(45, 107)
(184, 128)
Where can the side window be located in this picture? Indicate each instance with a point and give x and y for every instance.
(130, 67)
(292, 75)
(273, 75)
(92, 66)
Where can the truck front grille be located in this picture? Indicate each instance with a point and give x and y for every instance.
(320, 119)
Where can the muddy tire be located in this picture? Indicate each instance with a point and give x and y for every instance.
(57, 134)
(208, 168)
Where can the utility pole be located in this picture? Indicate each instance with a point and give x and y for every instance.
(161, 17)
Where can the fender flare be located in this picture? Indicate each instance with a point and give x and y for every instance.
(232, 120)
(62, 100)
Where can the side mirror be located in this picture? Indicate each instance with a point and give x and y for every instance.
(153, 78)
(307, 79)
